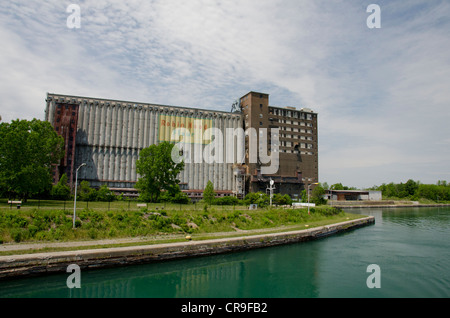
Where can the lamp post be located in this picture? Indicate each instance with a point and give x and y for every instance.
(75, 199)
(331, 197)
(271, 188)
(308, 193)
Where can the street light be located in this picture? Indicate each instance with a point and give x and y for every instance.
(271, 188)
(331, 197)
(308, 193)
(75, 200)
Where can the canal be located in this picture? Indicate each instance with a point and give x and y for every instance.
(411, 246)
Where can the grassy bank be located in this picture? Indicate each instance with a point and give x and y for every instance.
(50, 224)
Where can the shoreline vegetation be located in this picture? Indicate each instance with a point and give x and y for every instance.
(47, 222)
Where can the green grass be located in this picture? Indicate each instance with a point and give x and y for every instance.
(48, 221)
(420, 200)
(113, 206)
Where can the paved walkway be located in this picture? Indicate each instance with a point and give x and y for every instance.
(35, 246)
(43, 245)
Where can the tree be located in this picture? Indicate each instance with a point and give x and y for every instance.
(442, 183)
(61, 190)
(157, 171)
(317, 195)
(390, 190)
(259, 198)
(411, 187)
(227, 201)
(338, 186)
(209, 195)
(86, 193)
(280, 199)
(105, 194)
(174, 195)
(28, 150)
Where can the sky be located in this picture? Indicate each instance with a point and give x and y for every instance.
(382, 94)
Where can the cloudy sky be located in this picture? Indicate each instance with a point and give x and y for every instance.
(383, 95)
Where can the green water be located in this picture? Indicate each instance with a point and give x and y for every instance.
(410, 245)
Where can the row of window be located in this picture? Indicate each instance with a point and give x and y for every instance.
(293, 129)
(308, 153)
(291, 144)
(296, 137)
(290, 122)
(284, 135)
(246, 123)
(290, 113)
(301, 130)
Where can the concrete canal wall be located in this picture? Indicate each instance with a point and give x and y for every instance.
(57, 262)
(392, 206)
(383, 204)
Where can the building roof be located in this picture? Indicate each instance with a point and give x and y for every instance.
(352, 191)
(294, 109)
(136, 103)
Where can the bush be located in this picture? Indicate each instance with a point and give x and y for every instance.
(327, 210)
(93, 233)
(174, 195)
(32, 229)
(259, 198)
(86, 193)
(181, 198)
(19, 235)
(209, 194)
(226, 201)
(104, 194)
(61, 190)
(50, 225)
(280, 199)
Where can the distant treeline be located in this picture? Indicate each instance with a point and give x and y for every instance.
(411, 190)
(415, 190)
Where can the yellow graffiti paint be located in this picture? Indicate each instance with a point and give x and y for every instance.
(191, 129)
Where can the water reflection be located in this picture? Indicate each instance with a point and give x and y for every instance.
(273, 272)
